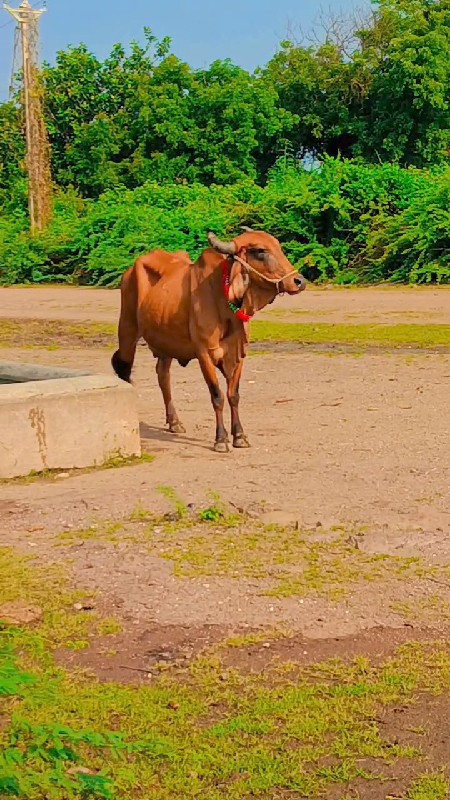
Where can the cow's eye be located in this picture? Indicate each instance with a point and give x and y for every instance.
(258, 253)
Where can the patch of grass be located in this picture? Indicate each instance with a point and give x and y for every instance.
(379, 335)
(430, 787)
(109, 627)
(180, 508)
(253, 639)
(288, 562)
(54, 333)
(140, 513)
(115, 462)
(46, 589)
(214, 542)
(105, 530)
(51, 334)
(204, 734)
(425, 609)
(218, 512)
(196, 732)
(131, 527)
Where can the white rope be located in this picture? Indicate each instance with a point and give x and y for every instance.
(276, 281)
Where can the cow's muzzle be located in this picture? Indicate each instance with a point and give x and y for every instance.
(293, 285)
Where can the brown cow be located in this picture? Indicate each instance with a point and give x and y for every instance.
(188, 311)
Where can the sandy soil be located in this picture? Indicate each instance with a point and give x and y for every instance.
(374, 304)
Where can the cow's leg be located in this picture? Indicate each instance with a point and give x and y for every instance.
(163, 372)
(217, 399)
(237, 431)
(123, 359)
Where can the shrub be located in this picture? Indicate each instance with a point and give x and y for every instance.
(343, 221)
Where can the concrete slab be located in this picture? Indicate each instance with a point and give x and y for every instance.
(61, 419)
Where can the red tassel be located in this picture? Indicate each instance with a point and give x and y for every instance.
(226, 288)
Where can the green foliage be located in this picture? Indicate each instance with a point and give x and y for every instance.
(407, 109)
(148, 116)
(380, 91)
(345, 221)
(430, 787)
(13, 189)
(413, 245)
(29, 751)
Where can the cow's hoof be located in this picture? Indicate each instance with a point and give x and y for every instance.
(177, 427)
(221, 447)
(241, 441)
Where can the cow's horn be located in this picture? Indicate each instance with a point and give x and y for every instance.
(226, 248)
(246, 229)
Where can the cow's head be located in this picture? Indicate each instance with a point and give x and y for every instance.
(259, 260)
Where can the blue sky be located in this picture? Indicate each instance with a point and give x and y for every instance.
(246, 31)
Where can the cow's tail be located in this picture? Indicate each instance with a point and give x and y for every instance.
(132, 289)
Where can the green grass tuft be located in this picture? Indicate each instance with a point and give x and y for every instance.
(38, 333)
(115, 462)
(379, 335)
(430, 787)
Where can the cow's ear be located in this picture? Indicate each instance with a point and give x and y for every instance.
(239, 281)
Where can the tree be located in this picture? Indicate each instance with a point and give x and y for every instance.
(238, 122)
(407, 112)
(320, 88)
(12, 154)
(387, 98)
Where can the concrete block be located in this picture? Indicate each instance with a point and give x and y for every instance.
(57, 419)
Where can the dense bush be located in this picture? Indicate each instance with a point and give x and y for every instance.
(345, 221)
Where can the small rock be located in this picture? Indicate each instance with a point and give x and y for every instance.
(266, 644)
(17, 613)
(88, 605)
(63, 475)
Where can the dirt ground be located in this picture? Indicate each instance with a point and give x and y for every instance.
(355, 443)
(359, 442)
(329, 304)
